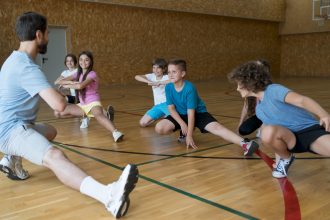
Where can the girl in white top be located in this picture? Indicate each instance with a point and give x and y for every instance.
(157, 80)
(70, 62)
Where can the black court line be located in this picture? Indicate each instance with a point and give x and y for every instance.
(190, 195)
(177, 155)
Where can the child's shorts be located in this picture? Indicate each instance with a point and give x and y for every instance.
(306, 137)
(158, 111)
(201, 120)
(87, 108)
(26, 142)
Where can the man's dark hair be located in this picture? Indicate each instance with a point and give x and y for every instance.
(28, 24)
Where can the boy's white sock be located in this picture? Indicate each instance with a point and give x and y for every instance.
(94, 189)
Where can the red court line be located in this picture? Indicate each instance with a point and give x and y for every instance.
(291, 202)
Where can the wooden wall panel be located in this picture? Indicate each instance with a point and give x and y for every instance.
(124, 40)
(306, 55)
(271, 10)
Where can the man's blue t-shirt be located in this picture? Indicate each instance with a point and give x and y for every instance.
(272, 110)
(185, 99)
(20, 82)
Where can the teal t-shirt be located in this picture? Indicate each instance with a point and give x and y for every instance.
(20, 82)
(185, 99)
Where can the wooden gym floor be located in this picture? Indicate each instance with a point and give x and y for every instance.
(213, 182)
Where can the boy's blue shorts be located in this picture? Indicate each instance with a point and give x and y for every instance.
(158, 111)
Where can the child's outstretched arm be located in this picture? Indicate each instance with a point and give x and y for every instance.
(311, 106)
(244, 114)
(191, 124)
(64, 80)
(79, 85)
(142, 78)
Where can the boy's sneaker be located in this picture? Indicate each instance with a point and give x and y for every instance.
(249, 147)
(182, 138)
(84, 122)
(282, 167)
(111, 113)
(12, 167)
(120, 190)
(117, 135)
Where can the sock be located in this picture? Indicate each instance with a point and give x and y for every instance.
(244, 141)
(94, 189)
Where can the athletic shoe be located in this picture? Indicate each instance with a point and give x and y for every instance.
(84, 122)
(282, 167)
(12, 167)
(111, 113)
(119, 191)
(182, 138)
(117, 135)
(249, 147)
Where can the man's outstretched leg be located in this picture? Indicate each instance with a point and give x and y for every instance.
(114, 196)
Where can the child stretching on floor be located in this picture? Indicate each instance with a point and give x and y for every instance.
(85, 82)
(288, 125)
(187, 111)
(70, 61)
(157, 80)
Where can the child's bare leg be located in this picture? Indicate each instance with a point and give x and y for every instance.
(280, 139)
(97, 111)
(321, 145)
(71, 110)
(164, 126)
(217, 129)
(146, 120)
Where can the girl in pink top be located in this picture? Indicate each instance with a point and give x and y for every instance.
(86, 83)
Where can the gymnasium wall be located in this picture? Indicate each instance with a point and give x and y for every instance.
(304, 43)
(124, 39)
(270, 10)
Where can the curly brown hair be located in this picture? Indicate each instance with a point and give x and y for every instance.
(253, 75)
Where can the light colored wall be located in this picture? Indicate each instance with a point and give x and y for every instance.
(124, 39)
(304, 43)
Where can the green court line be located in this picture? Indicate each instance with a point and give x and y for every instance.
(217, 205)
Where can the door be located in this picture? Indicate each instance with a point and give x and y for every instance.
(52, 63)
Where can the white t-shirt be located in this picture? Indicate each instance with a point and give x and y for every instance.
(158, 91)
(67, 73)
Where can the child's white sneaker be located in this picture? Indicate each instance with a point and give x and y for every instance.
(12, 167)
(117, 135)
(119, 191)
(249, 147)
(84, 122)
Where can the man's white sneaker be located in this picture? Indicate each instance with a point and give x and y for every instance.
(111, 113)
(84, 122)
(119, 191)
(12, 167)
(117, 135)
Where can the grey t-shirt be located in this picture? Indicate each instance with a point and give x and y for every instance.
(20, 82)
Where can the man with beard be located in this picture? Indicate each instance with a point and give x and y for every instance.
(21, 84)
